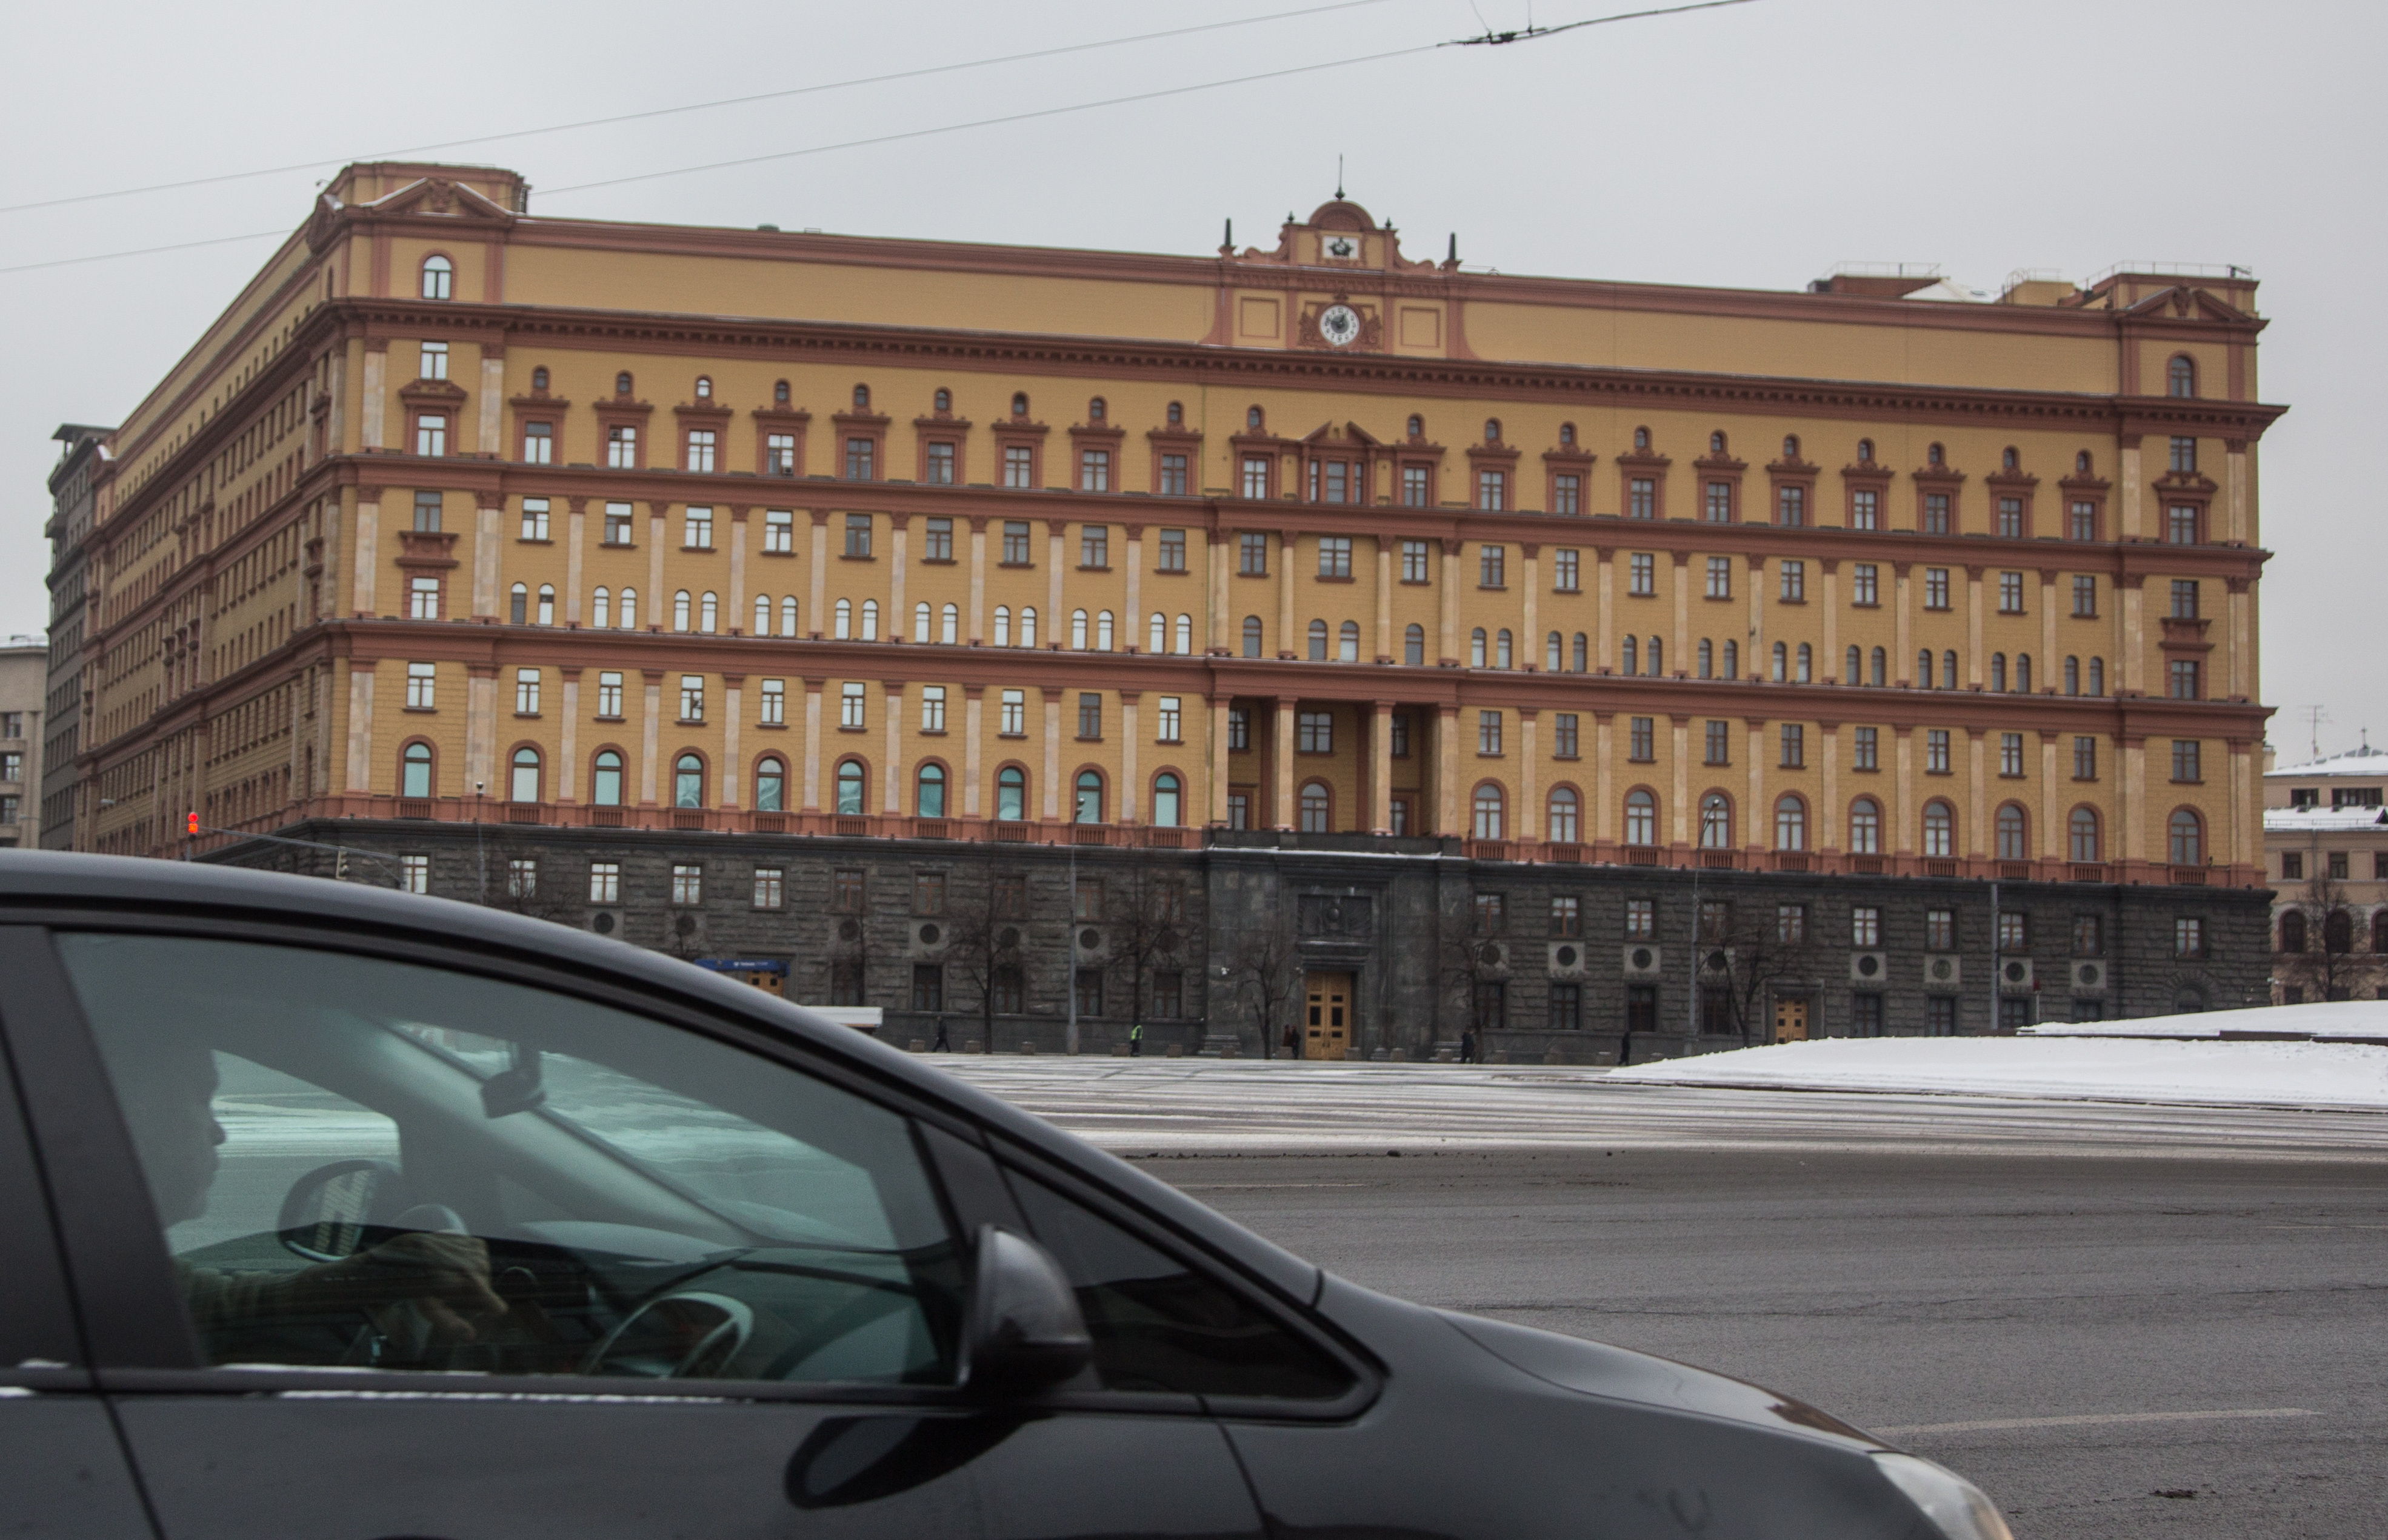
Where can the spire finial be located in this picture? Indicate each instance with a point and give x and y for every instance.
(1339, 176)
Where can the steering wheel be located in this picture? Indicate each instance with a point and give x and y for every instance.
(673, 1336)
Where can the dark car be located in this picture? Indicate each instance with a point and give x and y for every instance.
(347, 1214)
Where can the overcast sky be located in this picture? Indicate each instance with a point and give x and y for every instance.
(1755, 146)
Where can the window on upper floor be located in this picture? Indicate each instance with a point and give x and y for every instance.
(439, 278)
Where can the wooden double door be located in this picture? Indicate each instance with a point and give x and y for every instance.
(1790, 1020)
(1327, 1015)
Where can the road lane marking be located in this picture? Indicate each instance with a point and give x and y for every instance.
(2089, 1419)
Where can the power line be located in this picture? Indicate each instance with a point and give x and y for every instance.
(693, 107)
(958, 128)
(1529, 33)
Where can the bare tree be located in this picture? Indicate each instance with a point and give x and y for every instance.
(1147, 924)
(1265, 966)
(2318, 937)
(1753, 950)
(983, 940)
(519, 886)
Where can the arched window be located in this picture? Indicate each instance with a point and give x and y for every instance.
(1096, 409)
(1924, 669)
(1629, 653)
(1078, 629)
(439, 282)
(862, 398)
(944, 402)
(2081, 463)
(1020, 403)
(1998, 673)
(1865, 827)
(1881, 675)
(2181, 375)
(1102, 631)
(605, 779)
(1854, 671)
(871, 620)
(622, 383)
(1185, 633)
(709, 613)
(2023, 674)
(1566, 434)
(2082, 830)
(2097, 676)
(2072, 676)
(539, 380)
(849, 787)
(1554, 653)
(923, 619)
(1641, 818)
(1949, 670)
(929, 792)
(687, 782)
(1003, 625)
(1168, 795)
(2338, 933)
(1791, 447)
(704, 388)
(1562, 826)
(779, 396)
(1413, 646)
(1347, 643)
(1318, 642)
(762, 615)
(1417, 426)
(1657, 657)
(770, 785)
(1488, 809)
(1090, 797)
(1028, 625)
(842, 627)
(1706, 653)
(1502, 648)
(1177, 415)
(546, 604)
(1716, 443)
(2009, 460)
(1940, 829)
(1492, 430)
(1715, 822)
(524, 786)
(1730, 667)
(1641, 440)
(1865, 451)
(1790, 823)
(2379, 931)
(1476, 656)
(1580, 653)
(1935, 455)
(2292, 931)
(1315, 807)
(1782, 663)
(680, 610)
(2014, 834)
(518, 610)
(1011, 793)
(1157, 634)
(629, 614)
(1253, 420)
(415, 771)
(2187, 833)
(1252, 636)
(1804, 670)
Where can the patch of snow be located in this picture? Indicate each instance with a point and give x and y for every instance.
(2361, 1018)
(2107, 1069)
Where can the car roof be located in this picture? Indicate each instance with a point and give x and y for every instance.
(33, 881)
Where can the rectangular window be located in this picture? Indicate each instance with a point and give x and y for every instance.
(2088, 936)
(1865, 1015)
(1566, 1007)
(937, 541)
(862, 459)
(2187, 936)
(1865, 509)
(1566, 494)
(12, 766)
(1563, 735)
(533, 519)
(2085, 759)
(1239, 729)
(1088, 904)
(700, 447)
(1007, 896)
(1642, 574)
(2180, 521)
(1012, 714)
(696, 529)
(1171, 551)
(2181, 460)
(1313, 732)
(1239, 810)
(2186, 759)
(1715, 919)
(2014, 932)
(1492, 491)
(1252, 555)
(1642, 498)
(1720, 571)
(1089, 986)
(1941, 1017)
(2084, 597)
(1865, 584)
(1867, 755)
(1794, 587)
(1018, 467)
(2338, 865)
(1015, 542)
(850, 706)
(1791, 506)
(426, 512)
(780, 454)
(2011, 754)
(1095, 470)
(1256, 475)
(774, 701)
(1090, 715)
(2011, 518)
(1865, 927)
(1936, 587)
(1095, 546)
(1335, 555)
(414, 874)
(1488, 733)
(858, 536)
(687, 884)
(1486, 909)
(2010, 594)
(1791, 924)
(1641, 919)
(1936, 512)
(420, 680)
(928, 893)
(2184, 598)
(1795, 746)
(434, 362)
(1173, 475)
(771, 888)
(1566, 916)
(941, 464)
(2083, 521)
(933, 708)
(847, 892)
(1333, 481)
(1642, 740)
(1400, 734)
(1166, 721)
(539, 444)
(1939, 930)
(1565, 570)
(609, 695)
(1493, 567)
(606, 882)
(1415, 493)
(617, 524)
(622, 447)
(1415, 562)
(1168, 993)
(1717, 502)
(1936, 751)
(692, 698)
(1716, 738)
(526, 691)
(2293, 865)
(2183, 675)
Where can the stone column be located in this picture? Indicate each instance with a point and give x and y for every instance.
(2050, 677)
(1281, 810)
(1977, 794)
(2135, 648)
(1829, 666)
(2132, 795)
(2129, 487)
(1604, 776)
(368, 527)
(491, 441)
(899, 544)
(1904, 628)
(1137, 636)
(1219, 547)
(1056, 532)
(486, 514)
(973, 729)
(737, 617)
(1683, 640)
(575, 542)
(1530, 780)
(812, 744)
(374, 411)
(891, 779)
(1531, 624)
(481, 728)
(1606, 654)
(2051, 800)
(2241, 606)
(977, 632)
(1052, 751)
(1127, 800)
(2240, 522)
(1902, 838)
(1449, 604)
(1679, 802)
(1386, 652)
(1824, 822)
(361, 724)
(820, 569)
(1973, 626)
(1755, 832)
(1446, 753)
(732, 769)
(1218, 767)
(651, 707)
(1289, 640)
(567, 755)
(1380, 760)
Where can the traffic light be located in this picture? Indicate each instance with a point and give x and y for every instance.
(194, 823)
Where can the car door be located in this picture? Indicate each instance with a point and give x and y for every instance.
(454, 1253)
(61, 1467)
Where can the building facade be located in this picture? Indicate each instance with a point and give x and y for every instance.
(24, 679)
(2326, 838)
(1608, 668)
(75, 492)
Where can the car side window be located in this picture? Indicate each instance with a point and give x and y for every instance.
(1160, 1325)
(373, 1163)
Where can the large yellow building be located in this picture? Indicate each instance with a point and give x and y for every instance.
(465, 516)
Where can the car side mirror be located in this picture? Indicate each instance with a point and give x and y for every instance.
(1024, 1331)
(328, 1212)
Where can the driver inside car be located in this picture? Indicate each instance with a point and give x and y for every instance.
(168, 1093)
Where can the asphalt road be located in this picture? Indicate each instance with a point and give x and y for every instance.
(2083, 1309)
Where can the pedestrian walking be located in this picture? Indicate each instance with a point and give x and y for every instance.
(1136, 1041)
(1467, 1046)
(943, 1044)
(1292, 1042)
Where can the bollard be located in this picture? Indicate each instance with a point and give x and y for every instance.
(1119, 1050)
(1174, 1051)
(919, 1045)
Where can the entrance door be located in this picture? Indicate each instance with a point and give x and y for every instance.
(1790, 1020)
(1326, 1029)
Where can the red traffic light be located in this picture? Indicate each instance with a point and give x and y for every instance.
(194, 823)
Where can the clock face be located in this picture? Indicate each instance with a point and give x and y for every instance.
(1339, 325)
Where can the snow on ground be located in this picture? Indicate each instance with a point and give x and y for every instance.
(2208, 1072)
(2362, 1018)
